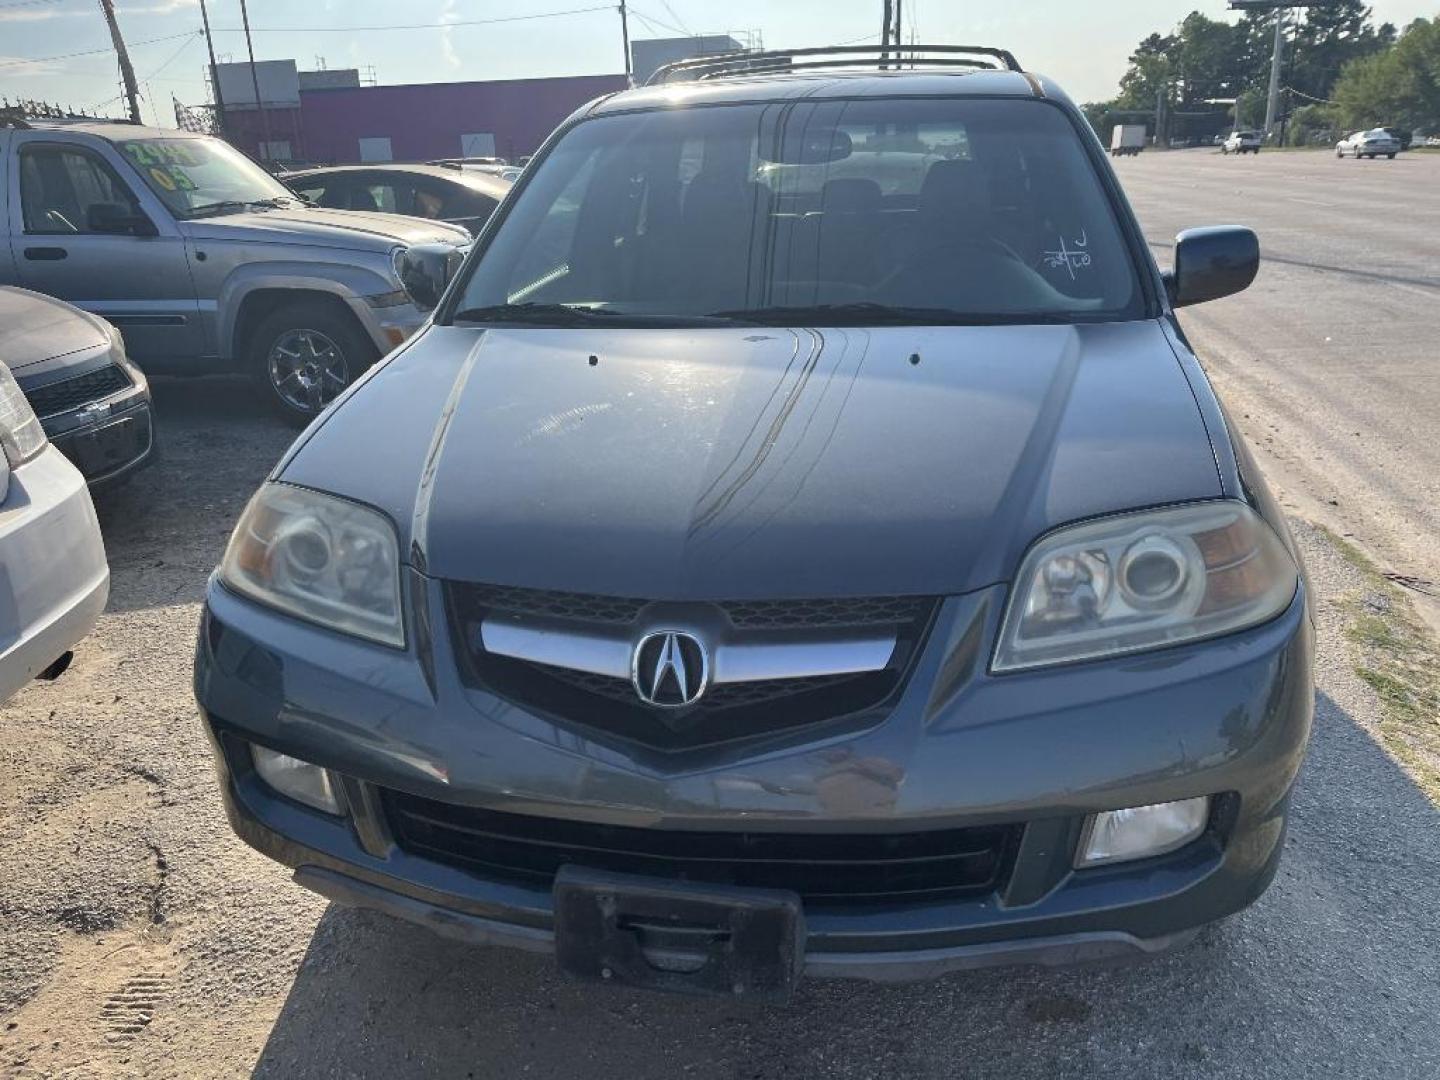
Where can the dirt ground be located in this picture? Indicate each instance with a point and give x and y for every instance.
(139, 938)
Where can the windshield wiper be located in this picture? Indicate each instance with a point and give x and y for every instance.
(563, 315)
(277, 201)
(534, 314)
(206, 209)
(870, 313)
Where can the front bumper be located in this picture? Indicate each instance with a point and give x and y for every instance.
(1226, 718)
(390, 326)
(54, 579)
(111, 447)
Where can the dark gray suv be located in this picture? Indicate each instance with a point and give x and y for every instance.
(803, 541)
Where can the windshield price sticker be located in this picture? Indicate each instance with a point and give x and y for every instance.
(164, 153)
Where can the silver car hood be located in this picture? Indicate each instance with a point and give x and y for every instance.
(36, 328)
(325, 228)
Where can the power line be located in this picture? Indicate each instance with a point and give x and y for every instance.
(189, 40)
(26, 3)
(20, 61)
(683, 28)
(658, 22)
(409, 26)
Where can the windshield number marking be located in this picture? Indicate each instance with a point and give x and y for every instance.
(1072, 259)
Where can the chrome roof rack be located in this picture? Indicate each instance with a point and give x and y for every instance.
(888, 57)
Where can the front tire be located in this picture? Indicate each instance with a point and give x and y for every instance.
(303, 355)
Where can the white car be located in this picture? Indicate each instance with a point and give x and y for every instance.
(1371, 144)
(1242, 142)
(54, 580)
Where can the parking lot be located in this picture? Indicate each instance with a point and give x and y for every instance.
(141, 938)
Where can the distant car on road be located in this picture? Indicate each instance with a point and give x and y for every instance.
(52, 560)
(1372, 144)
(93, 403)
(204, 261)
(458, 196)
(1242, 142)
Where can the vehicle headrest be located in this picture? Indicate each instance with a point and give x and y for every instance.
(850, 195)
(954, 185)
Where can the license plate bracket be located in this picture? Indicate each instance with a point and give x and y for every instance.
(685, 937)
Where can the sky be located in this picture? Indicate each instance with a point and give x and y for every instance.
(59, 50)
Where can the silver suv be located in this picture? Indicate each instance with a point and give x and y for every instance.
(204, 261)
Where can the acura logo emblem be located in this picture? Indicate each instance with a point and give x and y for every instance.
(670, 669)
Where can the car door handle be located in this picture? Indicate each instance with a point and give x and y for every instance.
(45, 254)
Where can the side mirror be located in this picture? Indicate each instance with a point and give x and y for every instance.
(1211, 263)
(117, 219)
(426, 270)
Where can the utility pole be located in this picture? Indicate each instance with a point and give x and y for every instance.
(127, 73)
(885, 34)
(214, 74)
(625, 40)
(255, 77)
(899, 30)
(1273, 101)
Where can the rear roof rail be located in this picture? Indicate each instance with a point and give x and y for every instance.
(890, 57)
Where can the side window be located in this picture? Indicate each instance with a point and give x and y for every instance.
(384, 197)
(60, 186)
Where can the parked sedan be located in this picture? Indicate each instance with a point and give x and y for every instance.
(1372, 144)
(53, 576)
(93, 403)
(441, 192)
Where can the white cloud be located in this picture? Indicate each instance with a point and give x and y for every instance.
(449, 14)
(14, 67)
(160, 7)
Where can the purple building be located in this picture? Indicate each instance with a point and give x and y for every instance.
(328, 117)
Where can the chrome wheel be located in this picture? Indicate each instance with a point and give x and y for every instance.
(307, 370)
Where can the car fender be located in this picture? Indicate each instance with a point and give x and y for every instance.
(347, 281)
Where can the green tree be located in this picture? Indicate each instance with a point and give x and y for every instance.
(1399, 86)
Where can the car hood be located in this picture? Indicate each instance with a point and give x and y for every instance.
(36, 328)
(327, 228)
(744, 463)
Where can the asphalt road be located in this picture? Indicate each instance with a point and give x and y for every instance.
(1328, 361)
(139, 938)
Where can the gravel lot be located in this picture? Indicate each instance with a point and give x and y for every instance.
(139, 938)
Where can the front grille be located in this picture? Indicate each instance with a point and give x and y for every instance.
(824, 868)
(824, 613)
(727, 711)
(60, 397)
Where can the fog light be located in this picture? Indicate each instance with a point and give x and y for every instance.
(1142, 831)
(296, 779)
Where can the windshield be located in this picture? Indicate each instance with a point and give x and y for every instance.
(194, 177)
(838, 212)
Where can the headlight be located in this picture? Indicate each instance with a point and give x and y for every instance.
(397, 259)
(21, 436)
(1142, 581)
(121, 358)
(320, 558)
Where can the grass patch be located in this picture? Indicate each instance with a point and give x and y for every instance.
(1399, 658)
